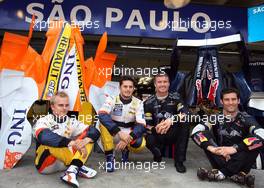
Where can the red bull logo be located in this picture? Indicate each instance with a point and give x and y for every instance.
(199, 90)
(212, 90)
(249, 141)
(202, 137)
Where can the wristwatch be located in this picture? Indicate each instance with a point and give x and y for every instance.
(235, 146)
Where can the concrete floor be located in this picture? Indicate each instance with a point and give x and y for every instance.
(24, 175)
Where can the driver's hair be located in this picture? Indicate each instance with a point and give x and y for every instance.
(61, 94)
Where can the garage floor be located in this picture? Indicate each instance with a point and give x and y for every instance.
(26, 176)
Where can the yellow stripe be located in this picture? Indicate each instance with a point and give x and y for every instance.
(203, 139)
(139, 149)
(248, 141)
(57, 63)
(80, 78)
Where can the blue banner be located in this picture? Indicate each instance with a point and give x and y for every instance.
(143, 18)
(256, 24)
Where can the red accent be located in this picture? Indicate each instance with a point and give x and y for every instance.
(47, 162)
(198, 85)
(133, 141)
(82, 136)
(74, 150)
(38, 131)
(212, 90)
(251, 139)
(84, 133)
(102, 112)
(173, 151)
(255, 146)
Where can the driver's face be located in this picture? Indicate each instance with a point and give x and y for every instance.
(61, 106)
(230, 102)
(127, 88)
(162, 84)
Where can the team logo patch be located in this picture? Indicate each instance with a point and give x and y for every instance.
(167, 115)
(148, 116)
(54, 127)
(117, 111)
(132, 110)
(249, 141)
(202, 138)
(179, 106)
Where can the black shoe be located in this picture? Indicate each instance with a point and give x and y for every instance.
(250, 180)
(211, 175)
(244, 179)
(180, 167)
(202, 173)
(214, 175)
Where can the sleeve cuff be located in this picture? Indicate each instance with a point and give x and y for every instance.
(115, 130)
(241, 147)
(133, 135)
(93, 133)
(204, 145)
(64, 142)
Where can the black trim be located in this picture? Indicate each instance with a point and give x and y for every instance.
(124, 125)
(93, 133)
(42, 158)
(125, 101)
(115, 131)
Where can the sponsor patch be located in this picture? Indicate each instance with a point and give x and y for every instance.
(148, 116)
(202, 138)
(179, 106)
(117, 111)
(249, 141)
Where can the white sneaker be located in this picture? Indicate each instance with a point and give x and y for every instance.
(70, 177)
(86, 172)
